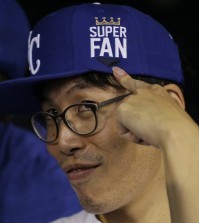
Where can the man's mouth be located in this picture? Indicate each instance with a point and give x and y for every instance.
(79, 171)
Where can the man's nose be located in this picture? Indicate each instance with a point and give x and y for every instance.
(68, 141)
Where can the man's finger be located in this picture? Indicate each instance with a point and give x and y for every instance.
(127, 81)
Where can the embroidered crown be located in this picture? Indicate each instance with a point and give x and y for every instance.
(104, 22)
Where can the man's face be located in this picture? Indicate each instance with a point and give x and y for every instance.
(106, 171)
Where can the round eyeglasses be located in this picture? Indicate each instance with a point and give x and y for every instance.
(81, 118)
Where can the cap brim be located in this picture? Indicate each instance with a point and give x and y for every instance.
(18, 96)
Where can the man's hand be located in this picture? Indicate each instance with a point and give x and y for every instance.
(156, 114)
(151, 112)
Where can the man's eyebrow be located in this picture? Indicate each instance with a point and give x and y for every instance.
(78, 85)
(81, 84)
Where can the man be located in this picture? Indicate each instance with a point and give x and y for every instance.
(127, 146)
(32, 187)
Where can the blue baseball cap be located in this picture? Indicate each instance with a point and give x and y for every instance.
(14, 31)
(92, 37)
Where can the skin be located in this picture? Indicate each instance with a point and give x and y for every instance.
(176, 134)
(111, 171)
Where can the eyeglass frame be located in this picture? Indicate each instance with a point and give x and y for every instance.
(93, 106)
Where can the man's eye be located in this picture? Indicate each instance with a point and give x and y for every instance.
(52, 111)
(84, 107)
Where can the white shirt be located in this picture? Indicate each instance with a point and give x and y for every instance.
(81, 217)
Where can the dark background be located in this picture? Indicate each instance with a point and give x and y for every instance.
(180, 17)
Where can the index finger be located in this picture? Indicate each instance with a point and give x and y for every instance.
(127, 81)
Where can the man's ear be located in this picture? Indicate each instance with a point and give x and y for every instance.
(176, 93)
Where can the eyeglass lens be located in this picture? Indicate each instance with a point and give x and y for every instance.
(79, 118)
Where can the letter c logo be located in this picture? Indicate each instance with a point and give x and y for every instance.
(35, 41)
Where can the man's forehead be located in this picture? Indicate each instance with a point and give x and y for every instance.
(68, 85)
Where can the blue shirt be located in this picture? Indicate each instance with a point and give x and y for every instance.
(33, 188)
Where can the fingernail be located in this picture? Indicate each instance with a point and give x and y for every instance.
(118, 71)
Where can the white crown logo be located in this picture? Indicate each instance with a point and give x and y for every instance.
(104, 22)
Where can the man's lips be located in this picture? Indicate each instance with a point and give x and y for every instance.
(77, 171)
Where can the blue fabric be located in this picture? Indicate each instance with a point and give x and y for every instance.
(33, 189)
(14, 31)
